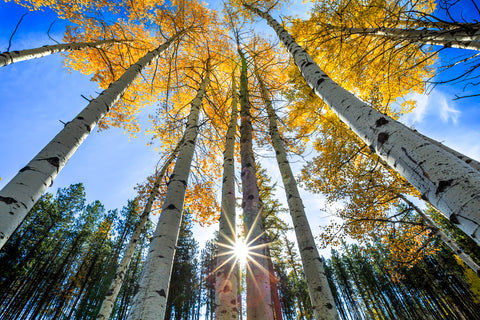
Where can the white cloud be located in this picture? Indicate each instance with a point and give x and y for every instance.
(448, 111)
(435, 106)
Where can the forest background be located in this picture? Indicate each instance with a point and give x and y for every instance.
(38, 95)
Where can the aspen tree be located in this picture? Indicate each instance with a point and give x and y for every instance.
(21, 193)
(112, 293)
(318, 288)
(226, 283)
(444, 180)
(259, 301)
(450, 39)
(150, 300)
(9, 57)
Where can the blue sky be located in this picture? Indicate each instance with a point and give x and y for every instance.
(36, 95)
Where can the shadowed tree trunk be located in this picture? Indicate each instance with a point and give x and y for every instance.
(226, 283)
(259, 301)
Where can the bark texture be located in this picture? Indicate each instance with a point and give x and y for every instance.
(226, 284)
(448, 183)
(259, 300)
(9, 57)
(21, 193)
(444, 237)
(471, 162)
(450, 39)
(115, 286)
(321, 297)
(150, 298)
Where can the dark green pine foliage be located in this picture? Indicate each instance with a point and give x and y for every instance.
(182, 299)
(132, 277)
(59, 263)
(287, 270)
(208, 262)
(434, 288)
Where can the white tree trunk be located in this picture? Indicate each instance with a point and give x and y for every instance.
(471, 162)
(150, 298)
(259, 300)
(112, 293)
(321, 297)
(226, 284)
(21, 193)
(9, 57)
(450, 39)
(444, 237)
(445, 181)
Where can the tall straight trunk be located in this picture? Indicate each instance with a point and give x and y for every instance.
(259, 300)
(445, 181)
(443, 236)
(150, 299)
(112, 293)
(277, 306)
(226, 283)
(9, 57)
(321, 296)
(471, 162)
(21, 193)
(450, 39)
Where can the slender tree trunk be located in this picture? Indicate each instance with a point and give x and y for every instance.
(112, 293)
(9, 57)
(319, 290)
(259, 300)
(21, 193)
(277, 306)
(443, 236)
(226, 283)
(151, 295)
(450, 39)
(445, 181)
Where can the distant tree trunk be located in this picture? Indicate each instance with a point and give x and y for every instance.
(318, 288)
(9, 57)
(259, 301)
(277, 306)
(112, 293)
(450, 39)
(21, 193)
(226, 284)
(151, 297)
(443, 236)
(446, 182)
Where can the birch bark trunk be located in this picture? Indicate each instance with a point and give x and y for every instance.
(115, 286)
(321, 296)
(259, 300)
(447, 182)
(471, 162)
(450, 39)
(9, 57)
(150, 298)
(443, 236)
(21, 193)
(226, 285)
